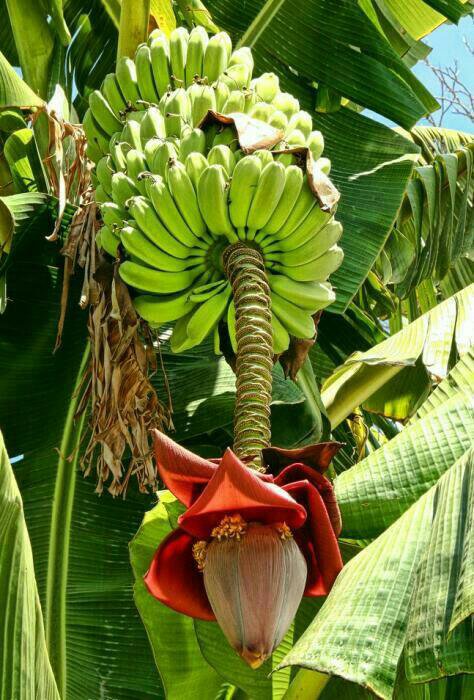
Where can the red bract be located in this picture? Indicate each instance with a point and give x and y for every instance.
(225, 500)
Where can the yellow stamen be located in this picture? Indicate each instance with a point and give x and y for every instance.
(284, 531)
(199, 553)
(230, 526)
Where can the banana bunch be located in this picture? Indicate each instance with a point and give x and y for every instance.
(184, 77)
(173, 211)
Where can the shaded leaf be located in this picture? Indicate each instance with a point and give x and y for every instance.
(26, 670)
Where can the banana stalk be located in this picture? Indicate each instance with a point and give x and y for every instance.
(133, 29)
(251, 295)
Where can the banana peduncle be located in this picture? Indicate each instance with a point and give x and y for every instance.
(246, 272)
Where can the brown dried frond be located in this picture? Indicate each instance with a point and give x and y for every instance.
(124, 404)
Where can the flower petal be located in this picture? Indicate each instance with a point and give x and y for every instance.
(174, 578)
(318, 456)
(299, 472)
(316, 539)
(235, 488)
(184, 473)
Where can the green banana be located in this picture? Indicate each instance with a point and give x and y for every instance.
(281, 337)
(291, 192)
(163, 153)
(118, 152)
(266, 86)
(222, 155)
(312, 224)
(113, 95)
(324, 164)
(222, 93)
(196, 163)
(184, 195)
(226, 137)
(127, 79)
(146, 84)
(264, 155)
(212, 192)
(231, 325)
(103, 113)
(304, 204)
(286, 103)
(109, 241)
(141, 248)
(206, 316)
(100, 195)
(262, 111)
(177, 112)
(297, 322)
(234, 103)
(93, 152)
(192, 141)
(179, 38)
(269, 189)
(123, 188)
(311, 296)
(160, 63)
(295, 139)
(242, 56)
(168, 212)
(136, 164)
(215, 57)
(152, 125)
(315, 143)
(242, 189)
(206, 291)
(150, 224)
(113, 216)
(313, 248)
(302, 122)
(157, 310)
(202, 99)
(150, 148)
(278, 119)
(317, 270)
(131, 134)
(198, 40)
(94, 133)
(104, 172)
(237, 77)
(157, 281)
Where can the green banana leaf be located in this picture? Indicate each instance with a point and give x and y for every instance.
(14, 92)
(297, 42)
(434, 228)
(419, 564)
(95, 639)
(390, 377)
(26, 670)
(381, 487)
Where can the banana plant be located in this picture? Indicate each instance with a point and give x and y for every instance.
(81, 623)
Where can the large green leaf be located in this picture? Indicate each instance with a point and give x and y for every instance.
(407, 598)
(371, 166)
(26, 670)
(379, 489)
(387, 378)
(298, 41)
(96, 642)
(399, 596)
(14, 92)
(434, 228)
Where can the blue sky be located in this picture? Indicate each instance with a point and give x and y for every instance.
(447, 44)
